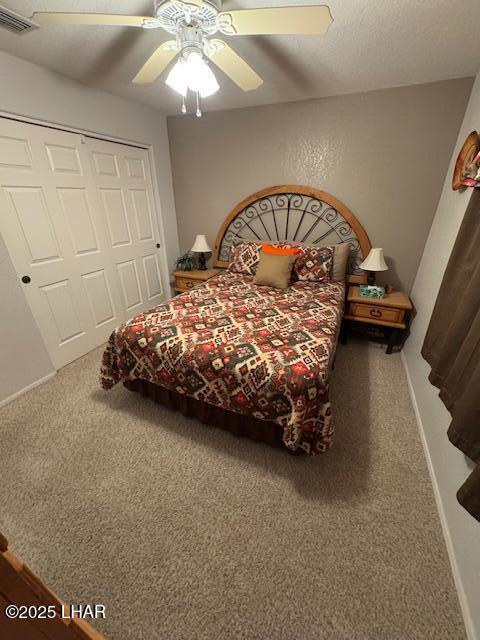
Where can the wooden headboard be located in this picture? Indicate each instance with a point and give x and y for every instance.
(296, 213)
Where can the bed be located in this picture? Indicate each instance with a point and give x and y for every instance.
(255, 360)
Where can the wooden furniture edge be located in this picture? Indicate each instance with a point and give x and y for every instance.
(375, 321)
(196, 274)
(382, 302)
(41, 594)
(351, 278)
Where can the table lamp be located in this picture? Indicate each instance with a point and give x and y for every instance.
(374, 262)
(201, 247)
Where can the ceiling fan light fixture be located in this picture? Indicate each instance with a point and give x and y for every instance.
(194, 24)
(192, 73)
(200, 77)
(177, 78)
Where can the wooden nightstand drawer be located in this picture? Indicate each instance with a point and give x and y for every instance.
(187, 280)
(186, 283)
(384, 314)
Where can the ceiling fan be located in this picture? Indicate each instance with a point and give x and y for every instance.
(194, 22)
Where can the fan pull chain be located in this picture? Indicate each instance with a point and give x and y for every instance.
(199, 111)
(184, 106)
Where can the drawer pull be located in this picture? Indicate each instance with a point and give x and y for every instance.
(190, 284)
(375, 313)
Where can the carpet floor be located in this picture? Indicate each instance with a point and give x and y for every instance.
(185, 532)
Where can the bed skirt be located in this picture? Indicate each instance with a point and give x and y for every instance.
(240, 425)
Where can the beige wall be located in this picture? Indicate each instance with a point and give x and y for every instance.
(383, 153)
(448, 466)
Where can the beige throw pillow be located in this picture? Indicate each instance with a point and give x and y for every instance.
(340, 260)
(274, 270)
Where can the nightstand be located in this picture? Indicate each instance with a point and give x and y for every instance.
(186, 280)
(390, 315)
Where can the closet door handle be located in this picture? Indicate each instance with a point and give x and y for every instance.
(158, 245)
(26, 279)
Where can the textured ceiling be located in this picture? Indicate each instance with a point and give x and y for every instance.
(372, 44)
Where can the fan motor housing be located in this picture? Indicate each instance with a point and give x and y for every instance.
(190, 39)
(172, 14)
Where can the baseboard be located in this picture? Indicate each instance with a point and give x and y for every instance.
(25, 389)
(471, 634)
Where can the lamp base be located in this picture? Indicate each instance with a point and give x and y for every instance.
(371, 276)
(202, 263)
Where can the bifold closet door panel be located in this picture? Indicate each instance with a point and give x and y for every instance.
(124, 186)
(54, 232)
(78, 219)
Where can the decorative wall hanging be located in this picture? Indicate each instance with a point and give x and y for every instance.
(467, 167)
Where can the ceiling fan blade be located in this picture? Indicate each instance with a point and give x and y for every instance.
(157, 62)
(46, 18)
(276, 20)
(233, 65)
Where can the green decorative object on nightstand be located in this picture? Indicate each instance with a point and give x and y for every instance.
(369, 291)
(185, 263)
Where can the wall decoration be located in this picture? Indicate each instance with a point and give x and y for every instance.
(467, 167)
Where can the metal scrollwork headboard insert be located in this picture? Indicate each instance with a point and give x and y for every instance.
(297, 214)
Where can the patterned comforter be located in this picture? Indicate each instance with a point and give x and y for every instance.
(250, 349)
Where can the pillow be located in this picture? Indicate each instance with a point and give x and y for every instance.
(340, 260)
(274, 269)
(281, 251)
(244, 257)
(340, 256)
(245, 254)
(314, 264)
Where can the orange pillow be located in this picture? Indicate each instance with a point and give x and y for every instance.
(280, 251)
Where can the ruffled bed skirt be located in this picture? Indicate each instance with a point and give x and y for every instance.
(240, 425)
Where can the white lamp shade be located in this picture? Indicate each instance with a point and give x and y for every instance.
(192, 73)
(200, 245)
(177, 79)
(374, 261)
(200, 76)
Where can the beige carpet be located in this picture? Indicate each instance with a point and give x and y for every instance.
(186, 532)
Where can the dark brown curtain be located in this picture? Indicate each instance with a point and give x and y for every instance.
(452, 347)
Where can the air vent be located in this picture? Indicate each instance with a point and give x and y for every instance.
(15, 22)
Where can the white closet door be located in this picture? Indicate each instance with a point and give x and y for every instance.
(68, 238)
(124, 187)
